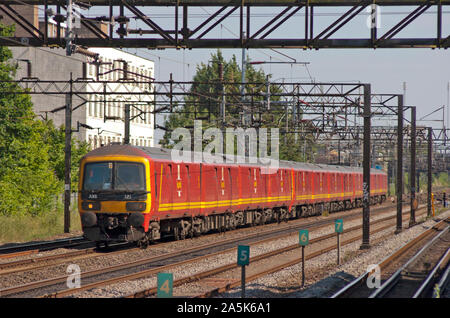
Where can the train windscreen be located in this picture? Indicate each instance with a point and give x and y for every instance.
(121, 176)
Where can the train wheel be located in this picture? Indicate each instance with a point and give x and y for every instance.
(143, 244)
(175, 234)
(231, 222)
(178, 233)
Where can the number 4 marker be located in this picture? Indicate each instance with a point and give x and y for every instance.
(165, 285)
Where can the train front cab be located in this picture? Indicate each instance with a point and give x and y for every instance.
(114, 197)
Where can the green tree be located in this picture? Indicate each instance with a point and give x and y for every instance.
(31, 151)
(204, 103)
(55, 137)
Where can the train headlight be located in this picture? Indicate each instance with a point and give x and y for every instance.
(136, 206)
(93, 206)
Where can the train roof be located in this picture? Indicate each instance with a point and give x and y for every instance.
(166, 154)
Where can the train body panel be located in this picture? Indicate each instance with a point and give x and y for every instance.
(133, 193)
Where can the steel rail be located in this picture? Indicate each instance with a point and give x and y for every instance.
(237, 283)
(151, 291)
(161, 268)
(59, 258)
(392, 281)
(42, 259)
(442, 285)
(427, 284)
(218, 270)
(346, 290)
(34, 247)
(63, 257)
(146, 261)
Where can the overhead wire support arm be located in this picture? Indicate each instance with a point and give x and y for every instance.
(203, 34)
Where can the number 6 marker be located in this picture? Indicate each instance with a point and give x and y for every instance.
(303, 237)
(303, 240)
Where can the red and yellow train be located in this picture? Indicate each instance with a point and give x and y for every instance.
(131, 193)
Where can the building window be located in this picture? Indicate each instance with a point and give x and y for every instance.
(120, 106)
(109, 107)
(115, 72)
(95, 106)
(90, 103)
(100, 111)
(100, 105)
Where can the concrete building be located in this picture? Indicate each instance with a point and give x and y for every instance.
(104, 113)
(107, 112)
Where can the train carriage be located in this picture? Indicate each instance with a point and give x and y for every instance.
(131, 193)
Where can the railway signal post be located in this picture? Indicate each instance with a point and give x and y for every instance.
(303, 239)
(243, 259)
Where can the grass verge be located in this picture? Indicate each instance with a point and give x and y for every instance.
(42, 227)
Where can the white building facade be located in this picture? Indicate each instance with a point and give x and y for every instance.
(103, 112)
(106, 112)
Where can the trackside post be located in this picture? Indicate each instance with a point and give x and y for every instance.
(338, 228)
(303, 240)
(243, 259)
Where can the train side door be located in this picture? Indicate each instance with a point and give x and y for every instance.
(165, 189)
(224, 188)
(180, 189)
(246, 187)
(194, 187)
(209, 189)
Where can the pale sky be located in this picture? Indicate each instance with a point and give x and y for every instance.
(425, 71)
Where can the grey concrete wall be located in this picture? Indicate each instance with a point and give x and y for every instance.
(52, 64)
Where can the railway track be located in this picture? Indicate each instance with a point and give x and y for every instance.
(85, 249)
(42, 261)
(221, 269)
(37, 247)
(206, 276)
(48, 286)
(92, 279)
(442, 288)
(327, 244)
(411, 271)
